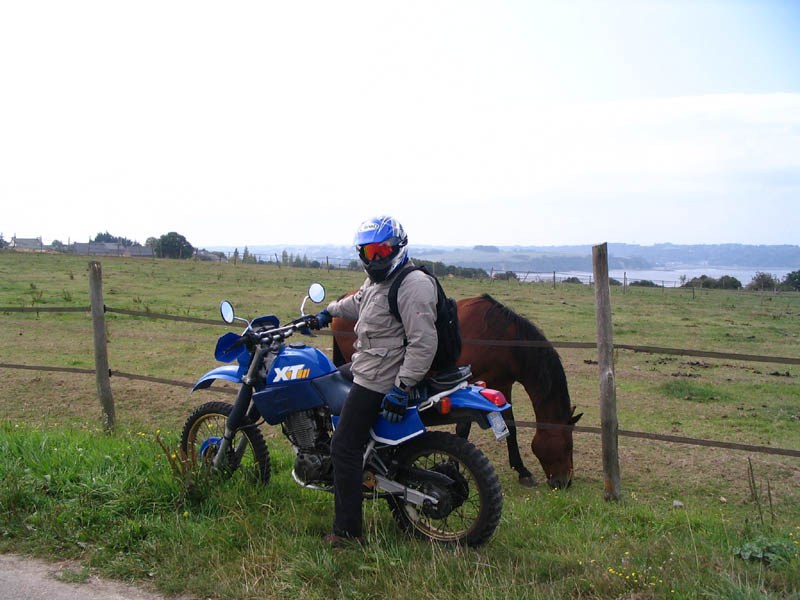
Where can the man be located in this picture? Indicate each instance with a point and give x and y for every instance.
(391, 358)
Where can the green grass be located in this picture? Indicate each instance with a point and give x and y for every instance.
(112, 502)
(70, 491)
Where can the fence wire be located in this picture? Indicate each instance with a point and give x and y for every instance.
(519, 424)
(506, 343)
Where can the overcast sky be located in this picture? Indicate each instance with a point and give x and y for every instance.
(472, 122)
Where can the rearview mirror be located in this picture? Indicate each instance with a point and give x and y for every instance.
(316, 292)
(226, 311)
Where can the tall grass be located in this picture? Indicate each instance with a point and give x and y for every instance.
(115, 504)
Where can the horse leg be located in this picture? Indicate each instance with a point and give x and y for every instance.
(514, 458)
(463, 428)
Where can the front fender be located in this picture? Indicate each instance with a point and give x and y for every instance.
(228, 373)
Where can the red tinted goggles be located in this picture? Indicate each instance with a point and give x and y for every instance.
(376, 250)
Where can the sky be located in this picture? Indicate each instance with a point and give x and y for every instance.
(506, 123)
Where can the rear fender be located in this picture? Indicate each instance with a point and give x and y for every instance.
(466, 405)
(470, 397)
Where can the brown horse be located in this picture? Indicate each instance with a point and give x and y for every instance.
(538, 369)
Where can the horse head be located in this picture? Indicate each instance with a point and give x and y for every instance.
(553, 447)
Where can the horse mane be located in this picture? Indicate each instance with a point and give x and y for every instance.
(539, 366)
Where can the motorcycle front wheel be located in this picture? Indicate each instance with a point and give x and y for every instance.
(202, 434)
(467, 510)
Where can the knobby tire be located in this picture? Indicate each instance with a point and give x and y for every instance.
(476, 502)
(214, 415)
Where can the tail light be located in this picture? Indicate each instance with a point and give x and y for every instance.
(445, 405)
(480, 383)
(495, 397)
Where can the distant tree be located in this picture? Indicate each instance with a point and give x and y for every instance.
(58, 245)
(173, 245)
(728, 282)
(354, 265)
(572, 280)
(248, 257)
(792, 281)
(506, 276)
(486, 248)
(644, 283)
(704, 281)
(612, 281)
(151, 242)
(236, 255)
(113, 239)
(763, 281)
(285, 257)
(440, 269)
(3, 243)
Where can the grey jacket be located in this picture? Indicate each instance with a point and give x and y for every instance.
(382, 359)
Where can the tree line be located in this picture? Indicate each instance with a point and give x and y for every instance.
(760, 281)
(175, 245)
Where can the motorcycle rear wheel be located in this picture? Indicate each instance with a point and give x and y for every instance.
(205, 427)
(469, 509)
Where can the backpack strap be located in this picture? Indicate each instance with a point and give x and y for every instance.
(398, 279)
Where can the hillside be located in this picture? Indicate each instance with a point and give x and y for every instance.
(567, 258)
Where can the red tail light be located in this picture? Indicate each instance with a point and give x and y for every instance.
(495, 397)
(480, 383)
(445, 405)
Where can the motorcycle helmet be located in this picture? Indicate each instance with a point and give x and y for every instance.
(382, 246)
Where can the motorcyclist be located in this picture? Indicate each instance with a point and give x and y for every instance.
(391, 358)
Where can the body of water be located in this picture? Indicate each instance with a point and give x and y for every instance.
(670, 277)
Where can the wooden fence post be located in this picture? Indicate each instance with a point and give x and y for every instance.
(605, 358)
(554, 280)
(100, 350)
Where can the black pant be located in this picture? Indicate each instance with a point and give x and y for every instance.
(361, 409)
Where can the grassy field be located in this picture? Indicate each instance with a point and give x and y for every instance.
(112, 502)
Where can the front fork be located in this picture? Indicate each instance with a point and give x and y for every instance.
(239, 411)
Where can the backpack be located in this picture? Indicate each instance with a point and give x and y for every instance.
(447, 329)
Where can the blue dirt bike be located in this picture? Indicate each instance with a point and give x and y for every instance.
(438, 486)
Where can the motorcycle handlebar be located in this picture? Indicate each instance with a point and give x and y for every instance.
(281, 333)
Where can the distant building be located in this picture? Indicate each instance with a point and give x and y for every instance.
(111, 249)
(139, 251)
(209, 256)
(101, 248)
(26, 243)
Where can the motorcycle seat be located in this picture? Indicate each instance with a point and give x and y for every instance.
(447, 379)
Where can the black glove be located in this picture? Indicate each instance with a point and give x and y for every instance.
(323, 319)
(394, 405)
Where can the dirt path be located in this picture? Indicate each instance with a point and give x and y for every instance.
(23, 578)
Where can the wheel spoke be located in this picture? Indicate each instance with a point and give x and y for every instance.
(208, 422)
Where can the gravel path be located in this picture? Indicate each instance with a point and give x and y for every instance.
(23, 578)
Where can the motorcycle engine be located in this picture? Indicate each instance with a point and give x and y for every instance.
(309, 432)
